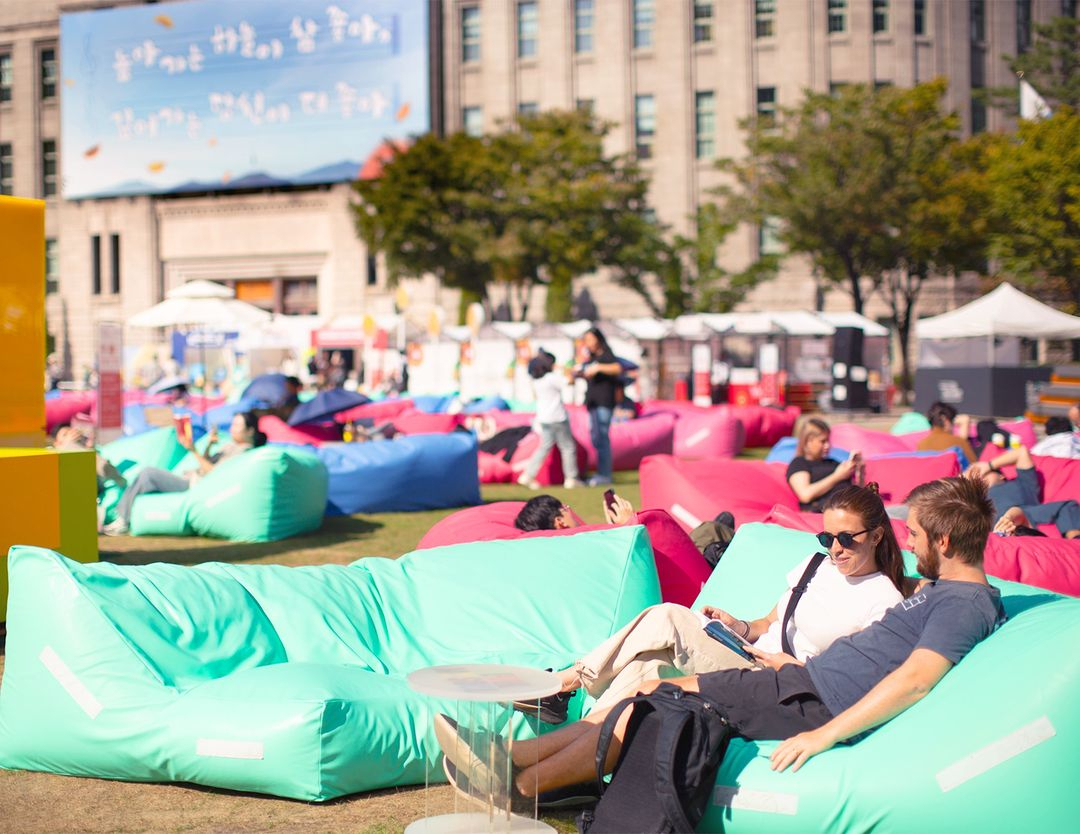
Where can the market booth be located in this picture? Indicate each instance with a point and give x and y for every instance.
(971, 357)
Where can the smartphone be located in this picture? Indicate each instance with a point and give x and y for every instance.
(722, 634)
(609, 498)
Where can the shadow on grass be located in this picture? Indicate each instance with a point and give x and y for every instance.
(144, 550)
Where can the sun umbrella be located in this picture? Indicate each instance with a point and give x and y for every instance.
(202, 304)
(267, 388)
(326, 404)
(168, 383)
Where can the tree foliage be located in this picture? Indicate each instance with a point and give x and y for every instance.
(1034, 185)
(1052, 64)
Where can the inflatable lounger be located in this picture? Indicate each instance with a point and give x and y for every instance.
(288, 681)
(994, 748)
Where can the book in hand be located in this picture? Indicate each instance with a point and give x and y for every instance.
(722, 634)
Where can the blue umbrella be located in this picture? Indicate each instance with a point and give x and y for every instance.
(267, 388)
(326, 404)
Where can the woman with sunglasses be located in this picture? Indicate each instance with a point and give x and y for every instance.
(812, 475)
(860, 580)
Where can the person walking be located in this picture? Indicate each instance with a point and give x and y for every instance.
(554, 422)
(601, 372)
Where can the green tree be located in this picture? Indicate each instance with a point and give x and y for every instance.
(425, 212)
(1034, 182)
(1052, 64)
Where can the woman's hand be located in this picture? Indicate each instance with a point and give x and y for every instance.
(621, 512)
(723, 616)
(773, 660)
(846, 468)
(184, 440)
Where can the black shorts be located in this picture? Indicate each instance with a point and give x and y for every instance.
(766, 704)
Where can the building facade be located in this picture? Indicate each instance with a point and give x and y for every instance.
(675, 77)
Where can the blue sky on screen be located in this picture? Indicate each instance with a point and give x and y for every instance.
(208, 94)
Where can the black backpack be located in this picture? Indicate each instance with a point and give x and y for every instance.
(674, 744)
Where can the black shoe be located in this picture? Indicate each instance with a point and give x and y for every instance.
(551, 709)
(725, 518)
(583, 795)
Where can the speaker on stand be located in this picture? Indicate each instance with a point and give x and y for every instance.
(849, 378)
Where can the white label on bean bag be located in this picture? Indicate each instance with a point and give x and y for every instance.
(224, 495)
(221, 749)
(157, 515)
(685, 516)
(767, 802)
(995, 753)
(697, 437)
(71, 683)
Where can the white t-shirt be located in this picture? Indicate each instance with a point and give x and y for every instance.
(1060, 445)
(549, 394)
(833, 606)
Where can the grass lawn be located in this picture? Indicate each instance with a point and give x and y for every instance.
(37, 802)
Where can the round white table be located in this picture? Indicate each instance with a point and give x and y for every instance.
(484, 693)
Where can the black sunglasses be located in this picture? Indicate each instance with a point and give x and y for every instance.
(846, 539)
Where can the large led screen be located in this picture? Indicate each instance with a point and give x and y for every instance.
(209, 95)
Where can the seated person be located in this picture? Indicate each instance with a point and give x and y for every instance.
(947, 430)
(245, 435)
(1016, 502)
(71, 438)
(1061, 440)
(546, 512)
(812, 474)
(857, 684)
(860, 580)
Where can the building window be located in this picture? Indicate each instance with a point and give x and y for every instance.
(704, 124)
(528, 108)
(702, 22)
(644, 18)
(769, 237)
(1068, 8)
(95, 264)
(527, 26)
(7, 169)
(881, 16)
(583, 25)
(837, 16)
(978, 115)
(372, 270)
(836, 88)
(52, 265)
(585, 105)
(644, 125)
(978, 67)
(299, 296)
(48, 73)
(6, 76)
(472, 121)
(764, 18)
(1023, 26)
(766, 105)
(881, 85)
(920, 17)
(114, 264)
(470, 34)
(48, 168)
(978, 20)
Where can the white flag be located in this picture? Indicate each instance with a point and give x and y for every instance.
(1032, 105)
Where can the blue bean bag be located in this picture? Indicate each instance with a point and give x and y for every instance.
(784, 450)
(288, 681)
(417, 472)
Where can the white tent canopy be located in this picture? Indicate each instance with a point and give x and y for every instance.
(849, 318)
(1004, 312)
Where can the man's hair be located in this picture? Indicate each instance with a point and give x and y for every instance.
(959, 508)
(940, 413)
(539, 513)
(1058, 425)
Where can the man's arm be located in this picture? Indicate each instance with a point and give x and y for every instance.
(893, 694)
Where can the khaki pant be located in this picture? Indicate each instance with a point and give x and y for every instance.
(662, 641)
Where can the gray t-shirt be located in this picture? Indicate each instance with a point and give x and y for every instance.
(947, 617)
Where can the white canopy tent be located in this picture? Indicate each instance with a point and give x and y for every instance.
(988, 330)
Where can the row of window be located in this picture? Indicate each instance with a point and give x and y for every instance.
(643, 19)
(96, 285)
(472, 119)
(48, 169)
(47, 71)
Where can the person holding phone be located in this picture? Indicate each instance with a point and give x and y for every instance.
(601, 373)
(546, 512)
(812, 474)
(860, 580)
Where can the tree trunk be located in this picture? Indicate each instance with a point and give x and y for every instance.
(468, 296)
(560, 296)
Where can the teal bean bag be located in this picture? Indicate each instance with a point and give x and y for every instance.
(266, 494)
(995, 747)
(288, 681)
(910, 421)
(130, 455)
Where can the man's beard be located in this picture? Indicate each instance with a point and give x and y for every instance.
(930, 567)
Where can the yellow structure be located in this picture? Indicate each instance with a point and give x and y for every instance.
(47, 498)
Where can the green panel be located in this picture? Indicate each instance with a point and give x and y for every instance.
(78, 505)
(1022, 680)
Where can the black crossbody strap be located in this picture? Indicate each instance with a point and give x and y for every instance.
(796, 595)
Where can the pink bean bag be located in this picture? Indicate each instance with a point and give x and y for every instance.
(1051, 563)
(631, 440)
(682, 570)
(708, 433)
(492, 469)
(312, 434)
(911, 439)
(763, 425)
(1022, 429)
(870, 443)
(60, 410)
(379, 411)
(551, 470)
(507, 419)
(896, 477)
(419, 422)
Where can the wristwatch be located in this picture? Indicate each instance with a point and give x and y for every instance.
(992, 467)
